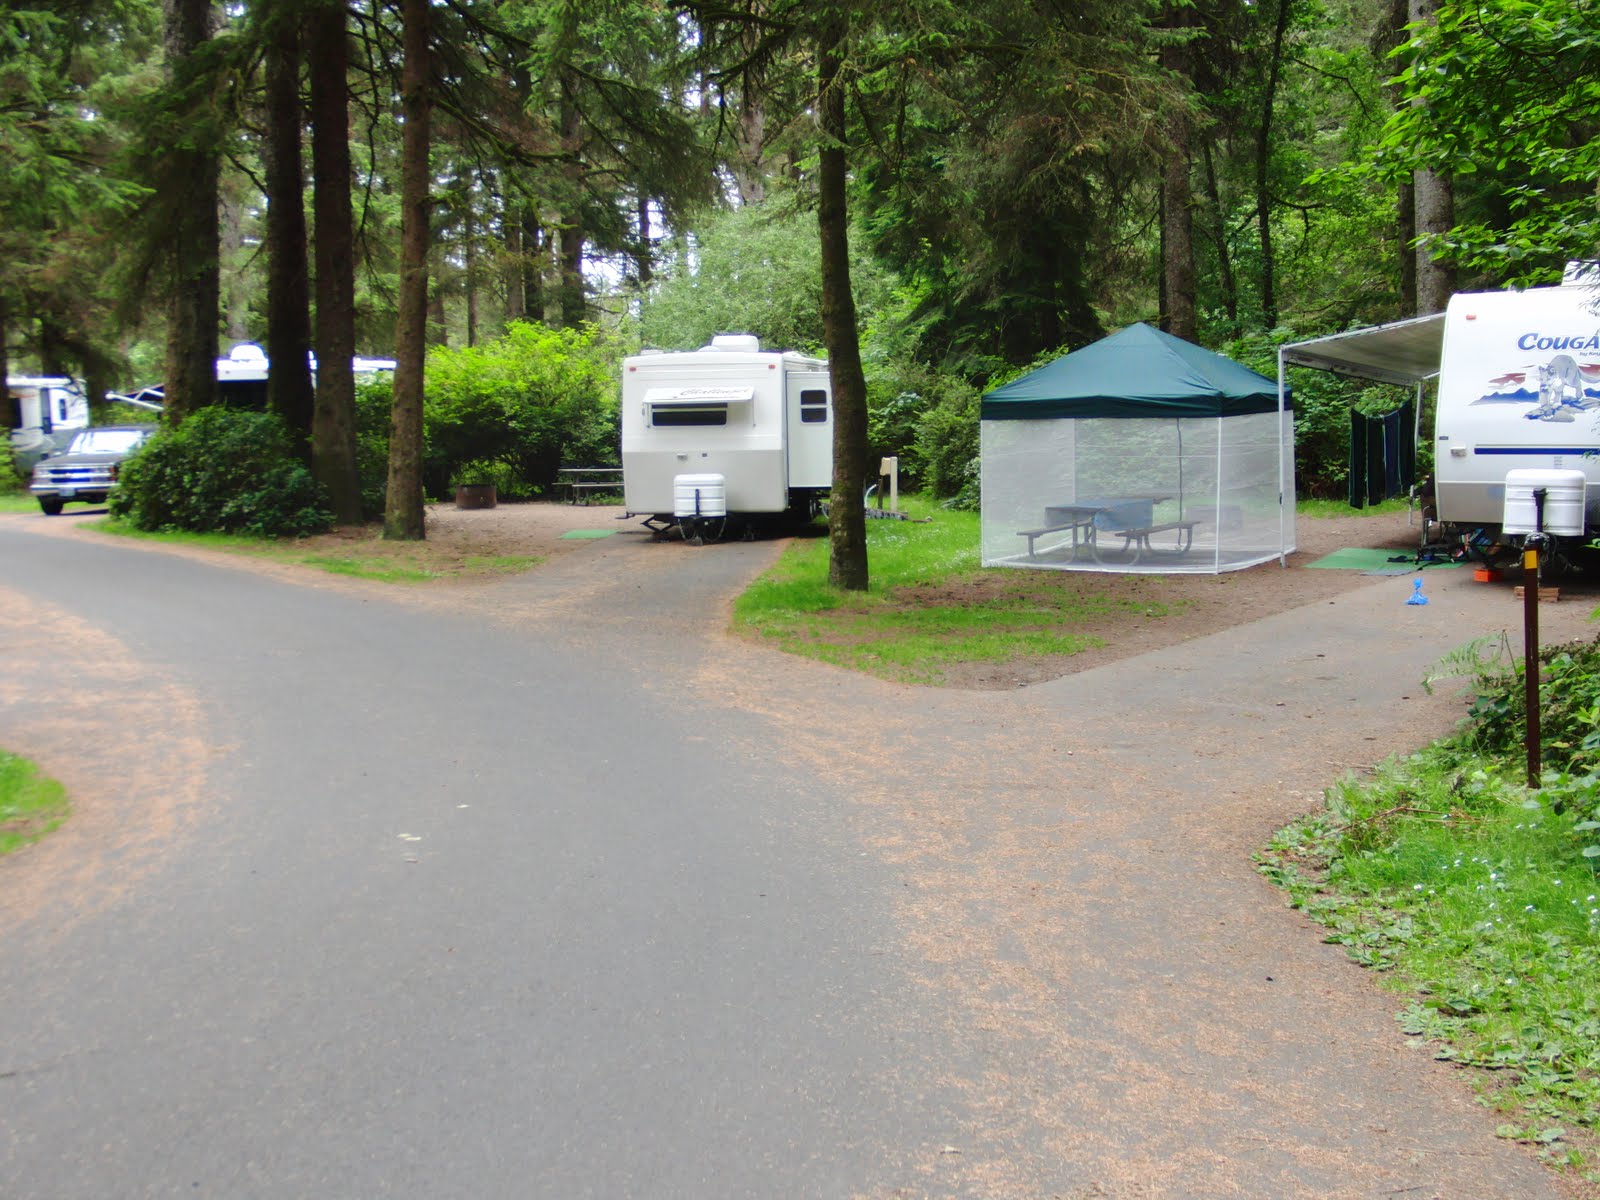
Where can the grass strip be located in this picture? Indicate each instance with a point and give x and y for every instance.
(1475, 897)
(925, 611)
(31, 804)
(368, 557)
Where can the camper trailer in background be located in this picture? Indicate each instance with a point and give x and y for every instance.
(43, 413)
(726, 431)
(242, 379)
(1519, 412)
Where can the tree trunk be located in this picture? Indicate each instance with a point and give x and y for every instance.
(469, 253)
(1178, 311)
(403, 513)
(573, 310)
(193, 304)
(288, 291)
(1406, 228)
(644, 257)
(534, 256)
(1435, 213)
(749, 166)
(7, 412)
(511, 240)
(1177, 236)
(1219, 233)
(1269, 99)
(847, 520)
(333, 421)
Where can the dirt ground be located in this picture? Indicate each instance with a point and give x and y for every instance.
(1180, 607)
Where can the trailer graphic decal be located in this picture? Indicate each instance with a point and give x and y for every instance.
(1556, 390)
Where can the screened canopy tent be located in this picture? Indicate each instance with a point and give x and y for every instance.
(1140, 453)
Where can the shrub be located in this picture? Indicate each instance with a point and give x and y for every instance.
(946, 450)
(10, 478)
(224, 471)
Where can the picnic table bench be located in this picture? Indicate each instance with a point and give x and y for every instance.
(1078, 523)
(580, 481)
(1137, 538)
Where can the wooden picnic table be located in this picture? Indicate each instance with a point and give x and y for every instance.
(580, 481)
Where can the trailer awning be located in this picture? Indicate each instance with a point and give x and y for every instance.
(699, 395)
(1402, 352)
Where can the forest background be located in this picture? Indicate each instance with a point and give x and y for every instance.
(510, 195)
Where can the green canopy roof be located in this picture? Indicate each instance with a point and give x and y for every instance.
(1139, 372)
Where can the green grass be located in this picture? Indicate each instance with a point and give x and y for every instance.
(31, 805)
(17, 502)
(1338, 508)
(1476, 898)
(929, 606)
(362, 558)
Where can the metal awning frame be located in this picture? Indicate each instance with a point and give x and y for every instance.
(1403, 353)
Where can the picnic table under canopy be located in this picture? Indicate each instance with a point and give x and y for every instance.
(1140, 452)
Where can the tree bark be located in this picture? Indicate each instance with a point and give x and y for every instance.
(333, 421)
(534, 257)
(469, 254)
(644, 256)
(1269, 100)
(847, 520)
(288, 290)
(1435, 213)
(1179, 315)
(573, 307)
(403, 513)
(1406, 228)
(1219, 232)
(194, 299)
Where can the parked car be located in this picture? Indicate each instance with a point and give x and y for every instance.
(87, 469)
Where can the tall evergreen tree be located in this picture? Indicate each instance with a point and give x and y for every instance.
(403, 515)
(187, 193)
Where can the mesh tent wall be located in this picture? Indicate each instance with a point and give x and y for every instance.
(1141, 453)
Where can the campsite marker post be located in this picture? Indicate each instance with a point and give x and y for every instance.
(1530, 637)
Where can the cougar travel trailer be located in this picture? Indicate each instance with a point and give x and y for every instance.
(43, 414)
(726, 431)
(1519, 410)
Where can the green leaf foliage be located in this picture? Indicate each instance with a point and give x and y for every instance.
(532, 402)
(221, 471)
(1506, 95)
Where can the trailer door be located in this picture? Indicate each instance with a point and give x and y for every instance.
(808, 403)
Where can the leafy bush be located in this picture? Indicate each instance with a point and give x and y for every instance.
(10, 479)
(945, 454)
(510, 412)
(223, 471)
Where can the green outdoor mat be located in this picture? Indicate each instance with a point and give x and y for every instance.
(588, 533)
(1357, 558)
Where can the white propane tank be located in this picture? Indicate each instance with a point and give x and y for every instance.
(699, 496)
(1563, 502)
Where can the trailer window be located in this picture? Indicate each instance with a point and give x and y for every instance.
(813, 406)
(682, 414)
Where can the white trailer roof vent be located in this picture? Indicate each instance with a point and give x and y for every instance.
(746, 343)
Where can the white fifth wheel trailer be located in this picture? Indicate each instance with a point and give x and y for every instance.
(726, 431)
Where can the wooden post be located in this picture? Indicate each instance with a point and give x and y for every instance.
(1530, 652)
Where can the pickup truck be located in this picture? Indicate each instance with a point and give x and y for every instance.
(87, 470)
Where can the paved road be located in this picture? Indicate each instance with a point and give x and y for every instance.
(548, 889)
